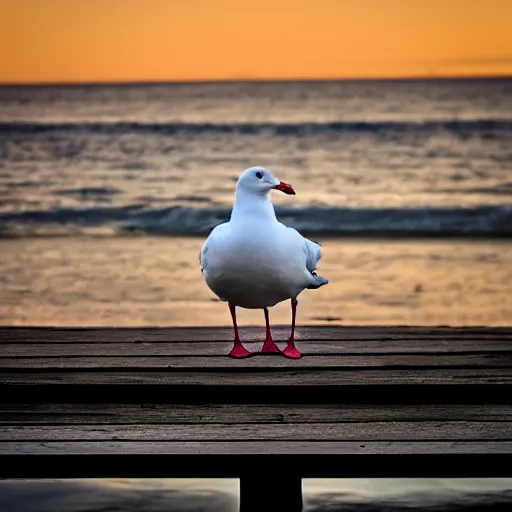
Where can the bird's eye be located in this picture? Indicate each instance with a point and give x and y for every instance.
(259, 175)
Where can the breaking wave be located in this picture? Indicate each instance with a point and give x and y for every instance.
(462, 126)
(481, 221)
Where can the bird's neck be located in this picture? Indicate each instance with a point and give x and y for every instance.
(250, 205)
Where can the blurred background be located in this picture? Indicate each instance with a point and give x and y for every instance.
(124, 126)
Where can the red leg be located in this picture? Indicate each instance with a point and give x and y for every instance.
(269, 347)
(291, 350)
(238, 349)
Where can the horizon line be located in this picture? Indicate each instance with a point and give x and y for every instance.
(255, 80)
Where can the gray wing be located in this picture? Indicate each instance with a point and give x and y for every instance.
(313, 252)
(313, 255)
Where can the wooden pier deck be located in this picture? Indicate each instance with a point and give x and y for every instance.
(362, 402)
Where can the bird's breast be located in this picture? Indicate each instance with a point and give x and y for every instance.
(255, 272)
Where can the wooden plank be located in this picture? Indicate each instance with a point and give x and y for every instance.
(362, 431)
(254, 447)
(418, 361)
(466, 346)
(285, 377)
(119, 414)
(194, 334)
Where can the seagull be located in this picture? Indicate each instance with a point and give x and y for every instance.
(254, 262)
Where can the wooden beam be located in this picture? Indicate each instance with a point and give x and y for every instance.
(194, 334)
(198, 362)
(100, 414)
(316, 376)
(357, 431)
(50, 346)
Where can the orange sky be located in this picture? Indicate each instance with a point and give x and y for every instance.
(132, 40)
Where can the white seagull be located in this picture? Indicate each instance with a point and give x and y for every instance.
(253, 261)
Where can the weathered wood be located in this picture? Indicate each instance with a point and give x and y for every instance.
(344, 347)
(363, 431)
(250, 377)
(256, 447)
(195, 334)
(126, 414)
(416, 361)
(363, 402)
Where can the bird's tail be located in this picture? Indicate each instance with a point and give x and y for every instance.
(316, 281)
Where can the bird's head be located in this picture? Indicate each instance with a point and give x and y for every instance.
(258, 180)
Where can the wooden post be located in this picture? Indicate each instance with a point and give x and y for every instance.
(274, 494)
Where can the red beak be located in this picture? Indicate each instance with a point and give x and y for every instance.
(284, 187)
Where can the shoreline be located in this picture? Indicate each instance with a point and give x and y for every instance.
(147, 281)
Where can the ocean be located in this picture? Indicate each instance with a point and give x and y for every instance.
(409, 158)
(107, 193)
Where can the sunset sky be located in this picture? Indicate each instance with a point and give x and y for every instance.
(140, 40)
